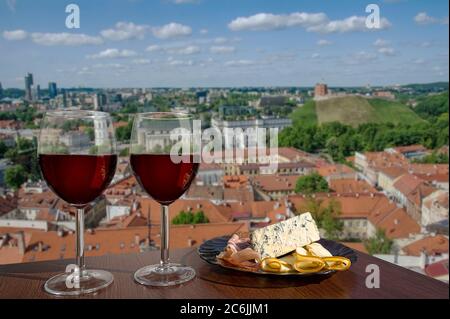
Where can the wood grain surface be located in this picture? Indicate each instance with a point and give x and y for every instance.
(26, 281)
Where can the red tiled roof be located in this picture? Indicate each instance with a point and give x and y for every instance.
(407, 183)
(437, 269)
(351, 186)
(115, 241)
(334, 169)
(431, 245)
(410, 148)
(273, 183)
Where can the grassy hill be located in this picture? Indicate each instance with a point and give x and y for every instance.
(355, 110)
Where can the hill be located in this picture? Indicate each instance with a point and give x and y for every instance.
(355, 110)
(432, 105)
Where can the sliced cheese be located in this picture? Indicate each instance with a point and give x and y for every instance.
(284, 237)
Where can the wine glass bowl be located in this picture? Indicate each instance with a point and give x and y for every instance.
(77, 157)
(164, 160)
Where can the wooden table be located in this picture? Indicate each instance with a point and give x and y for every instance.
(26, 281)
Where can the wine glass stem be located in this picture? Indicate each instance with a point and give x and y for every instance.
(164, 235)
(80, 239)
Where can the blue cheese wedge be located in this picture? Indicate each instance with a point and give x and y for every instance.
(284, 237)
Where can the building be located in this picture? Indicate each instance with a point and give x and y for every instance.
(29, 245)
(38, 92)
(362, 214)
(410, 151)
(75, 140)
(388, 175)
(384, 95)
(100, 100)
(226, 111)
(320, 90)
(435, 208)
(271, 101)
(1, 91)
(274, 187)
(202, 97)
(209, 174)
(250, 124)
(52, 90)
(409, 191)
(28, 87)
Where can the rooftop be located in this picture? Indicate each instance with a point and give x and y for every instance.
(430, 245)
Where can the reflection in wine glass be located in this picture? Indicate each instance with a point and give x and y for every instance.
(77, 156)
(165, 175)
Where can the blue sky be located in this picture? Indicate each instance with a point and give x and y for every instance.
(188, 43)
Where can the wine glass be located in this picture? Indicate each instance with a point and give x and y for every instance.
(165, 171)
(77, 157)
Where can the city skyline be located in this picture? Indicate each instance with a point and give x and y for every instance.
(216, 44)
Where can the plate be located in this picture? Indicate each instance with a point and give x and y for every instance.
(209, 250)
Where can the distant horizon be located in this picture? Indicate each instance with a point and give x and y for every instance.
(238, 87)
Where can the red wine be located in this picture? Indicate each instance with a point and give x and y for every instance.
(164, 180)
(78, 179)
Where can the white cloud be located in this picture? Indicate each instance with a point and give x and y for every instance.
(141, 61)
(350, 24)
(422, 18)
(220, 40)
(234, 63)
(180, 62)
(70, 39)
(172, 30)
(11, 5)
(381, 43)
(313, 22)
(186, 50)
(125, 31)
(154, 48)
(179, 50)
(361, 57)
(324, 42)
(388, 51)
(315, 55)
(113, 54)
(15, 35)
(203, 31)
(419, 61)
(85, 71)
(222, 49)
(109, 66)
(268, 21)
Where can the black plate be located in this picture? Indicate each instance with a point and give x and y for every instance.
(211, 248)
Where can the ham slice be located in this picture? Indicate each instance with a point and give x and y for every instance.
(239, 253)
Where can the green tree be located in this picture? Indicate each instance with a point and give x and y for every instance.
(379, 244)
(123, 133)
(186, 218)
(312, 183)
(15, 176)
(200, 218)
(326, 216)
(3, 149)
(124, 152)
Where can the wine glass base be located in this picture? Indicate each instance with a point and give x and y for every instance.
(163, 276)
(68, 284)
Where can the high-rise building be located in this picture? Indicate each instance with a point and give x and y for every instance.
(1, 90)
(38, 92)
(52, 90)
(321, 89)
(64, 98)
(28, 87)
(99, 100)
